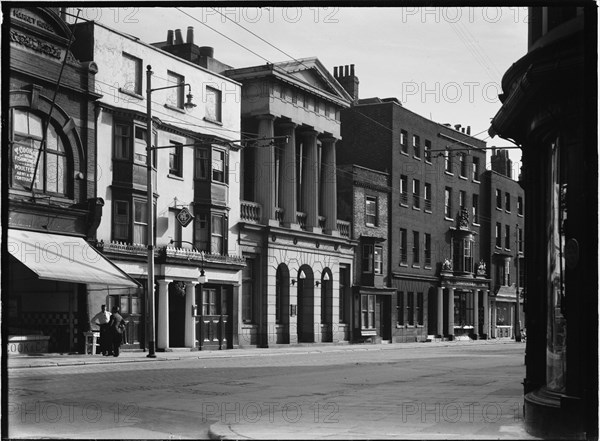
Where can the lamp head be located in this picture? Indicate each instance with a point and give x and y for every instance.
(189, 105)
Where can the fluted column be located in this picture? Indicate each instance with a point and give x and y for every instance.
(486, 314)
(264, 182)
(475, 313)
(288, 175)
(190, 320)
(440, 311)
(329, 185)
(450, 313)
(310, 181)
(163, 314)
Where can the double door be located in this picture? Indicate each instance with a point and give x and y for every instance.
(213, 324)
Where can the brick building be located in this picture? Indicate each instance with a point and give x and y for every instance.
(53, 208)
(503, 223)
(363, 200)
(434, 173)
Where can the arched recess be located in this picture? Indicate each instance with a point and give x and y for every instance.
(326, 286)
(282, 303)
(306, 304)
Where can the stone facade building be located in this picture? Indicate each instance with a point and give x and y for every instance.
(295, 247)
(194, 167)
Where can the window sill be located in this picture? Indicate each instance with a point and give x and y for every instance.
(449, 219)
(448, 173)
(464, 178)
(130, 93)
(418, 158)
(370, 225)
(476, 224)
(499, 208)
(175, 108)
(427, 267)
(416, 265)
(427, 162)
(176, 177)
(403, 205)
(508, 211)
(520, 215)
(403, 153)
(213, 121)
(498, 247)
(402, 264)
(477, 181)
(416, 208)
(428, 211)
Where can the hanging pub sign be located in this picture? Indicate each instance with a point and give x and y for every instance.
(184, 217)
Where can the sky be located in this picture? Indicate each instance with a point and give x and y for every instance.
(444, 63)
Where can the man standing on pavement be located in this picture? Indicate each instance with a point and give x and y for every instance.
(101, 319)
(116, 327)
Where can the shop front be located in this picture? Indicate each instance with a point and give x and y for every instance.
(49, 279)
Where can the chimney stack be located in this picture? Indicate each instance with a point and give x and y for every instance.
(457, 127)
(170, 38)
(178, 37)
(469, 130)
(347, 79)
(190, 35)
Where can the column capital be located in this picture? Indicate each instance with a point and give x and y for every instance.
(287, 125)
(164, 281)
(266, 116)
(328, 139)
(308, 132)
(190, 283)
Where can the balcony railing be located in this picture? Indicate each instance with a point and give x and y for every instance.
(344, 228)
(322, 221)
(249, 211)
(197, 256)
(279, 214)
(301, 219)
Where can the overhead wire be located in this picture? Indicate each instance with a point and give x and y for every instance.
(338, 169)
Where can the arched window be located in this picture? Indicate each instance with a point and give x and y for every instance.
(52, 166)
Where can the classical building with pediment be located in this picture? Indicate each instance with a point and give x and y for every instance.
(296, 284)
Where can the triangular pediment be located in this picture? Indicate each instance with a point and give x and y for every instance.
(312, 72)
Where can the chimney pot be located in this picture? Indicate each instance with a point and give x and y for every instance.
(170, 38)
(207, 51)
(352, 69)
(178, 37)
(468, 130)
(346, 70)
(335, 71)
(190, 35)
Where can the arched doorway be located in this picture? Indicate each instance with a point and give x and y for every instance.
(306, 305)
(326, 285)
(282, 303)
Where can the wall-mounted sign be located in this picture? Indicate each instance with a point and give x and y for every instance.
(24, 159)
(184, 217)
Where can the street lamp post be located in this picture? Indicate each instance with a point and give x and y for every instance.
(150, 203)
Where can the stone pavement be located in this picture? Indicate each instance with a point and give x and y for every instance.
(16, 361)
